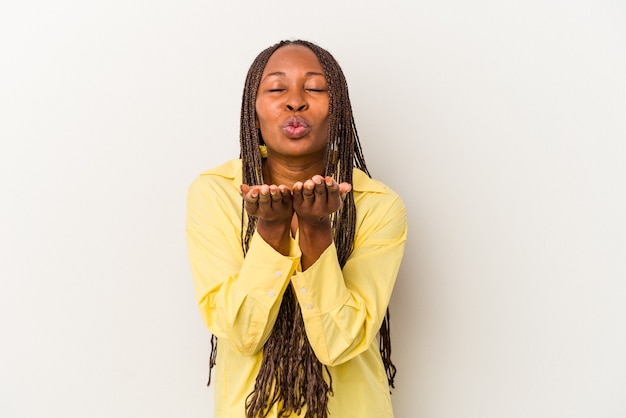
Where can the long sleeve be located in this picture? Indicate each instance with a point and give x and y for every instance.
(238, 298)
(343, 308)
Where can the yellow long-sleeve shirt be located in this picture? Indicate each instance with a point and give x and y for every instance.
(239, 298)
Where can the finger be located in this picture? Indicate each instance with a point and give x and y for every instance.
(285, 193)
(331, 185)
(344, 189)
(320, 186)
(296, 191)
(275, 194)
(251, 197)
(264, 194)
(244, 189)
(308, 189)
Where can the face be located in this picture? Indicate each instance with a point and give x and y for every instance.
(292, 104)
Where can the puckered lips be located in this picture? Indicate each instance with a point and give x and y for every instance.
(295, 127)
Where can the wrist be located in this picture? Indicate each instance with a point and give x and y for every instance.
(316, 230)
(315, 237)
(315, 224)
(275, 233)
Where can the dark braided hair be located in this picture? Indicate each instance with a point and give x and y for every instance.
(290, 373)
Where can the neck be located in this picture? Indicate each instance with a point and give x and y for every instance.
(287, 171)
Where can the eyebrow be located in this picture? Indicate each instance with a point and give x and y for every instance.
(282, 74)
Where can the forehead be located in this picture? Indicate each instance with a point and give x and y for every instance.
(293, 57)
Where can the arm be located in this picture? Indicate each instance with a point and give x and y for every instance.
(314, 201)
(343, 309)
(238, 298)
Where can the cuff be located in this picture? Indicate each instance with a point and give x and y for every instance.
(321, 288)
(265, 272)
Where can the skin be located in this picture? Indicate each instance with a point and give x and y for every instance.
(298, 196)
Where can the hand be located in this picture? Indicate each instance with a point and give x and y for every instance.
(317, 198)
(270, 203)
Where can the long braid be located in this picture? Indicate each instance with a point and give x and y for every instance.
(290, 373)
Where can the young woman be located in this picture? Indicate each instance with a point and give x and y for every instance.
(294, 251)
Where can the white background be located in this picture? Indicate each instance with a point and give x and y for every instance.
(501, 123)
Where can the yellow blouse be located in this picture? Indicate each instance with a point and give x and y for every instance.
(342, 309)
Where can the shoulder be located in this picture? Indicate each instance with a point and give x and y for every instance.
(216, 186)
(230, 170)
(380, 212)
(376, 202)
(367, 188)
(228, 173)
(213, 200)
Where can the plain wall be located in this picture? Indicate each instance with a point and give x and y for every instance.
(501, 123)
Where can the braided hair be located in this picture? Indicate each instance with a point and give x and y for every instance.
(290, 373)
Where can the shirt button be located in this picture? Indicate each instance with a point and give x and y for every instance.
(271, 293)
(277, 274)
(309, 306)
(303, 291)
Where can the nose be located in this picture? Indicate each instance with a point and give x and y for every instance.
(296, 109)
(296, 102)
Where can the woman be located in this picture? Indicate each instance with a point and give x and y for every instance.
(294, 251)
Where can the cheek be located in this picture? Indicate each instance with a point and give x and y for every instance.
(326, 118)
(258, 109)
(264, 111)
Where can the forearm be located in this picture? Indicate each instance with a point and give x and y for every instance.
(343, 308)
(315, 237)
(239, 298)
(275, 233)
